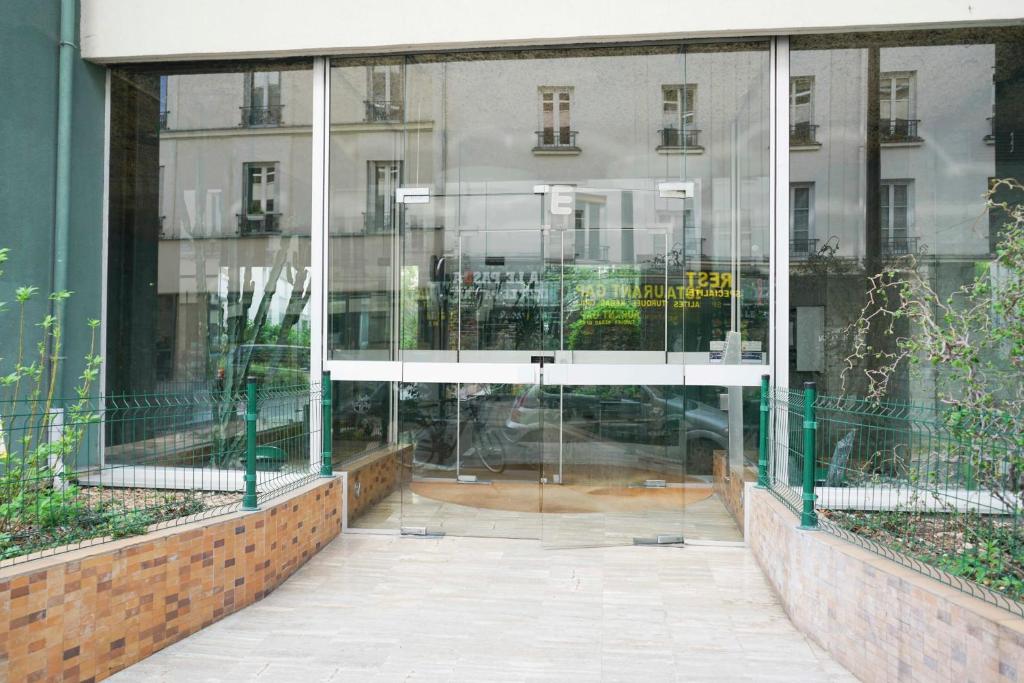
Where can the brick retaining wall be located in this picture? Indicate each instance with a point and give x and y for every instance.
(86, 614)
(882, 621)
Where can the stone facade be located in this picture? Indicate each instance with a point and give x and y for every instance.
(880, 620)
(373, 477)
(83, 615)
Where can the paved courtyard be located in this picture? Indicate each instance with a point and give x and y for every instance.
(388, 608)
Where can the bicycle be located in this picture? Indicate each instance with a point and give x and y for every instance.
(435, 441)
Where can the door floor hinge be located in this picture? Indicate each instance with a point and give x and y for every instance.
(420, 532)
(660, 539)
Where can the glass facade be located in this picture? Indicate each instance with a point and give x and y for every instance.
(209, 230)
(909, 129)
(537, 265)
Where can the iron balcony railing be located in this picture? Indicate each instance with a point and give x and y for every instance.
(163, 119)
(269, 115)
(678, 138)
(803, 247)
(556, 138)
(899, 246)
(898, 130)
(383, 110)
(803, 134)
(259, 224)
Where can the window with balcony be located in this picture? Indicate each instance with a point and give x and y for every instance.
(262, 99)
(896, 205)
(556, 133)
(801, 220)
(383, 178)
(261, 213)
(802, 131)
(896, 105)
(163, 103)
(384, 93)
(679, 117)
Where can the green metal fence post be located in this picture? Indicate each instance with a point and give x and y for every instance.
(249, 498)
(326, 467)
(809, 519)
(762, 445)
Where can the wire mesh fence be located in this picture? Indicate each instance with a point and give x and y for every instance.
(922, 485)
(90, 469)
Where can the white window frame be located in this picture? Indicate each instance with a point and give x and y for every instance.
(267, 99)
(388, 105)
(793, 119)
(247, 197)
(556, 92)
(887, 188)
(891, 76)
(684, 99)
(793, 187)
(386, 194)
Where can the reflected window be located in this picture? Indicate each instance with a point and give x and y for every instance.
(383, 178)
(260, 199)
(262, 99)
(556, 118)
(587, 222)
(384, 98)
(801, 219)
(802, 130)
(896, 106)
(679, 115)
(163, 103)
(895, 202)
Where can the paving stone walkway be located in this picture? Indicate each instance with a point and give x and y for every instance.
(388, 608)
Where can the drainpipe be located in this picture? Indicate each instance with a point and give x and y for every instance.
(68, 19)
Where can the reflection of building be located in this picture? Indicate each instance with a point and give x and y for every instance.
(933, 159)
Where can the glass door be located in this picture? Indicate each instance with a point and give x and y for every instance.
(490, 303)
(613, 470)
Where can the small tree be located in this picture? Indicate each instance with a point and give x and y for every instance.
(973, 337)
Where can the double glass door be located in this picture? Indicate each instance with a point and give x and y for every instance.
(546, 407)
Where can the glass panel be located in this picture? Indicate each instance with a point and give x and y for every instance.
(365, 449)
(614, 301)
(910, 199)
(507, 297)
(366, 167)
(209, 254)
(719, 443)
(618, 477)
(476, 451)
(209, 246)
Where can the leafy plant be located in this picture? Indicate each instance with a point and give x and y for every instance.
(974, 338)
(35, 451)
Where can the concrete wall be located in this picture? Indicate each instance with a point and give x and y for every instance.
(88, 614)
(29, 34)
(880, 620)
(125, 30)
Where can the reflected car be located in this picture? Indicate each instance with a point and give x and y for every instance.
(627, 414)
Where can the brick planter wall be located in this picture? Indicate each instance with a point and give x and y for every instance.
(880, 620)
(83, 615)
